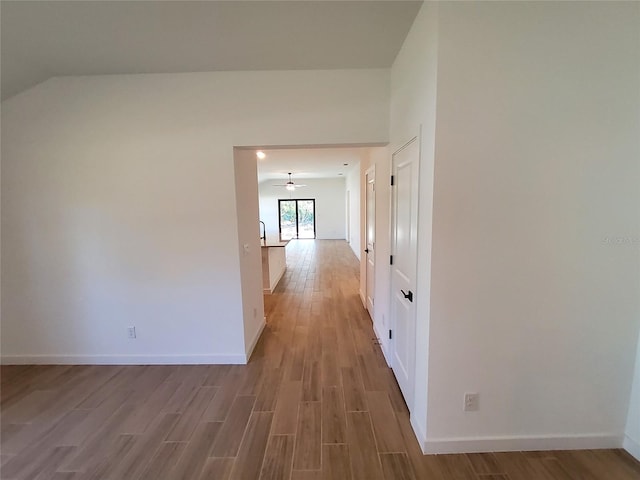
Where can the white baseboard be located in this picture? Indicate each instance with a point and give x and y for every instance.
(203, 359)
(362, 299)
(419, 433)
(631, 446)
(280, 275)
(256, 337)
(521, 443)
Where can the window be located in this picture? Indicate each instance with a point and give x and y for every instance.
(297, 218)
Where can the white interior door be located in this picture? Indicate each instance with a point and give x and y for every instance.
(370, 233)
(404, 226)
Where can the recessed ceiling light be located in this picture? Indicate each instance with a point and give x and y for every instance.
(340, 174)
(261, 155)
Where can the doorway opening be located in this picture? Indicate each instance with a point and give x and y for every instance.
(297, 219)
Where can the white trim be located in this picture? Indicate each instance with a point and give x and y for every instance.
(203, 359)
(256, 337)
(631, 446)
(271, 289)
(281, 275)
(522, 443)
(363, 300)
(420, 436)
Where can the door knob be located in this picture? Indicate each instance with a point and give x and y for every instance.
(408, 295)
(366, 250)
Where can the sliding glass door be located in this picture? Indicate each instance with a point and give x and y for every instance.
(297, 218)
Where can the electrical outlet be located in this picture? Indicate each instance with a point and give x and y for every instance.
(131, 332)
(471, 402)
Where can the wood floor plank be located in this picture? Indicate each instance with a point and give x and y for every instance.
(296, 368)
(162, 461)
(198, 449)
(95, 419)
(66, 476)
(251, 455)
(285, 419)
(330, 372)
(372, 378)
(365, 464)
(233, 427)
(145, 412)
(48, 464)
(97, 445)
(455, 467)
(183, 395)
(396, 466)
(334, 420)
(485, 464)
(385, 425)
(308, 437)
(110, 461)
(190, 418)
(40, 445)
(267, 394)
(215, 469)
(618, 461)
(221, 404)
(252, 374)
(336, 463)
(28, 407)
(311, 388)
(123, 378)
(216, 375)
(278, 458)
(353, 389)
(518, 467)
(136, 459)
(306, 475)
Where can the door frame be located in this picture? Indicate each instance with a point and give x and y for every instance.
(297, 237)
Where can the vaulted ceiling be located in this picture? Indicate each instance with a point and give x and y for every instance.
(43, 39)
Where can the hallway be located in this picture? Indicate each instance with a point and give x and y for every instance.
(316, 401)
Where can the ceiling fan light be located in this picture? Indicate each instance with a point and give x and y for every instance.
(290, 187)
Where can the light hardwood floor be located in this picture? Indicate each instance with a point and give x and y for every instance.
(316, 402)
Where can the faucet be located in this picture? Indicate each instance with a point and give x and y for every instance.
(263, 235)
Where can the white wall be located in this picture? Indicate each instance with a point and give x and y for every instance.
(353, 191)
(536, 166)
(632, 432)
(329, 194)
(118, 199)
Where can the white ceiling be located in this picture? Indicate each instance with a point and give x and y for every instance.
(42, 39)
(308, 163)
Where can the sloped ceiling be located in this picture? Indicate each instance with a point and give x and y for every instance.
(43, 39)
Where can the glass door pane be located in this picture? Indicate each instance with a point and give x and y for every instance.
(306, 219)
(288, 223)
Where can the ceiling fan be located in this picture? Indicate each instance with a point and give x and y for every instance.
(290, 185)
